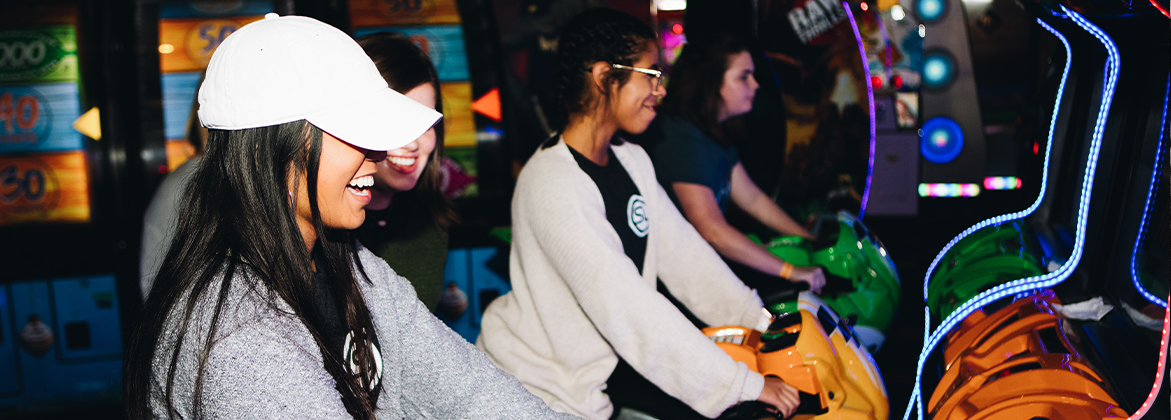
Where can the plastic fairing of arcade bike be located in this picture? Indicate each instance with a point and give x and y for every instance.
(1038, 372)
(816, 351)
(862, 282)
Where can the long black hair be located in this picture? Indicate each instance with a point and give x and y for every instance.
(696, 79)
(238, 224)
(595, 35)
(406, 66)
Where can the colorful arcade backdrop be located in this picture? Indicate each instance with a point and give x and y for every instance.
(43, 175)
(190, 31)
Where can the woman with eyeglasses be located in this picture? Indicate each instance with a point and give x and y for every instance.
(595, 240)
(712, 85)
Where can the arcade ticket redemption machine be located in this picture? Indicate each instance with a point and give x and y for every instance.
(72, 185)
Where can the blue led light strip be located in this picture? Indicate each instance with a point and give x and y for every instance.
(869, 97)
(1044, 172)
(1063, 272)
(1142, 228)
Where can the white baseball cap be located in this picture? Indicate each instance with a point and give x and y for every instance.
(283, 69)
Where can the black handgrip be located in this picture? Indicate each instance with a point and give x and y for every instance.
(750, 410)
(823, 242)
(757, 410)
(781, 291)
(835, 284)
(810, 404)
(780, 343)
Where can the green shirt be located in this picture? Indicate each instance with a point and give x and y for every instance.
(410, 241)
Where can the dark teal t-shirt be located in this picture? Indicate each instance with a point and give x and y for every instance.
(685, 154)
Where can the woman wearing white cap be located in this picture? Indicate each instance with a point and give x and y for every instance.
(264, 307)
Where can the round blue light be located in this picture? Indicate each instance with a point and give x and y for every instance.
(930, 10)
(941, 141)
(938, 69)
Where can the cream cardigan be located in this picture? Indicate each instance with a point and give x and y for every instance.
(578, 301)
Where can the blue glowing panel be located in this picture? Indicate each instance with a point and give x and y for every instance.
(39, 118)
(9, 381)
(938, 69)
(487, 283)
(456, 273)
(930, 10)
(87, 317)
(44, 331)
(444, 44)
(179, 91)
(32, 321)
(203, 9)
(481, 273)
(942, 140)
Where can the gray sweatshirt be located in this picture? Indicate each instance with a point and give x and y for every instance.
(265, 364)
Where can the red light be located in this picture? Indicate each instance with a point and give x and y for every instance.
(897, 81)
(677, 29)
(864, 6)
(163, 169)
(1036, 148)
(875, 80)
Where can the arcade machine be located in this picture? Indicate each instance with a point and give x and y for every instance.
(462, 41)
(71, 183)
(1059, 310)
(816, 59)
(188, 34)
(897, 81)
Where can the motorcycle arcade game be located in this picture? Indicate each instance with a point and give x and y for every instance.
(1058, 311)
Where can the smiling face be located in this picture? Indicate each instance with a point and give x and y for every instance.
(739, 87)
(633, 104)
(344, 177)
(403, 166)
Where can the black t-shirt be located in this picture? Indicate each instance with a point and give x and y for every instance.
(333, 329)
(626, 212)
(625, 207)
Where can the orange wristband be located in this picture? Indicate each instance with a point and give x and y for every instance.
(786, 270)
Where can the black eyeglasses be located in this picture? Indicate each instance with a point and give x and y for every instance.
(656, 74)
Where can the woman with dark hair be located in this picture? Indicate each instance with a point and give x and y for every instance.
(585, 326)
(408, 215)
(159, 221)
(264, 307)
(699, 167)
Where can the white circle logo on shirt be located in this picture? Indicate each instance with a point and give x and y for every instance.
(348, 349)
(636, 216)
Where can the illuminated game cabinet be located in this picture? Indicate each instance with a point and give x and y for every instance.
(1003, 339)
(189, 32)
(60, 312)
